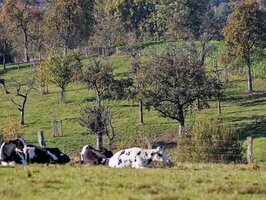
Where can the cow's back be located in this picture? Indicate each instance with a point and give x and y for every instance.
(124, 158)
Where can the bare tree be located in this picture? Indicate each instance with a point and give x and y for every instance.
(97, 120)
(22, 91)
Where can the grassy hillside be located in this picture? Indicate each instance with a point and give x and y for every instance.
(238, 109)
(184, 181)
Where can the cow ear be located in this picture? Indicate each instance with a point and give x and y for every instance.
(159, 148)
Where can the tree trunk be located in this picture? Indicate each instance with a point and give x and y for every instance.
(61, 95)
(40, 55)
(22, 116)
(181, 122)
(65, 50)
(141, 111)
(226, 75)
(98, 99)
(42, 89)
(46, 88)
(99, 141)
(249, 76)
(219, 105)
(26, 50)
(4, 61)
(4, 57)
(22, 110)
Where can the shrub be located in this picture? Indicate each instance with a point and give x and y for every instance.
(10, 130)
(97, 120)
(1, 135)
(210, 141)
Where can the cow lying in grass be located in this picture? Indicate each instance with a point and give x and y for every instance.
(19, 152)
(89, 155)
(13, 151)
(46, 155)
(138, 158)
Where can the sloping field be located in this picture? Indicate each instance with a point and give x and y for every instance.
(184, 181)
(238, 109)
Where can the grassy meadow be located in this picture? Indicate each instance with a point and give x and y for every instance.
(238, 109)
(182, 181)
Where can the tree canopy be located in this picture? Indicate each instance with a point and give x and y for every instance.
(246, 29)
(176, 79)
(69, 22)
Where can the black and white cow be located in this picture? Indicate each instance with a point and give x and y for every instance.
(89, 155)
(19, 152)
(14, 152)
(46, 155)
(138, 158)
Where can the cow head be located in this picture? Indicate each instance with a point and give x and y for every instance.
(106, 152)
(159, 155)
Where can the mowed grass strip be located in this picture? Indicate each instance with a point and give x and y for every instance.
(184, 181)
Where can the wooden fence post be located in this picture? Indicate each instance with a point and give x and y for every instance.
(55, 131)
(57, 128)
(60, 128)
(41, 139)
(249, 150)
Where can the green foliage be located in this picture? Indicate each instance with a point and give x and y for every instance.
(107, 29)
(95, 119)
(209, 141)
(133, 13)
(245, 28)
(175, 80)
(238, 110)
(42, 74)
(244, 31)
(68, 22)
(63, 68)
(6, 43)
(177, 19)
(223, 11)
(99, 77)
(19, 15)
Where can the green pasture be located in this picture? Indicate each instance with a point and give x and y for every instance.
(238, 109)
(184, 181)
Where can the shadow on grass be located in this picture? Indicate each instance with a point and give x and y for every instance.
(247, 96)
(129, 105)
(256, 130)
(106, 97)
(13, 67)
(256, 126)
(245, 111)
(256, 102)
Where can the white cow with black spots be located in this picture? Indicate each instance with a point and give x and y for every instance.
(138, 158)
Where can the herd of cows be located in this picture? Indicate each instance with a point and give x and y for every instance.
(19, 152)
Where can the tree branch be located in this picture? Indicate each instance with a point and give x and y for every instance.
(16, 104)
